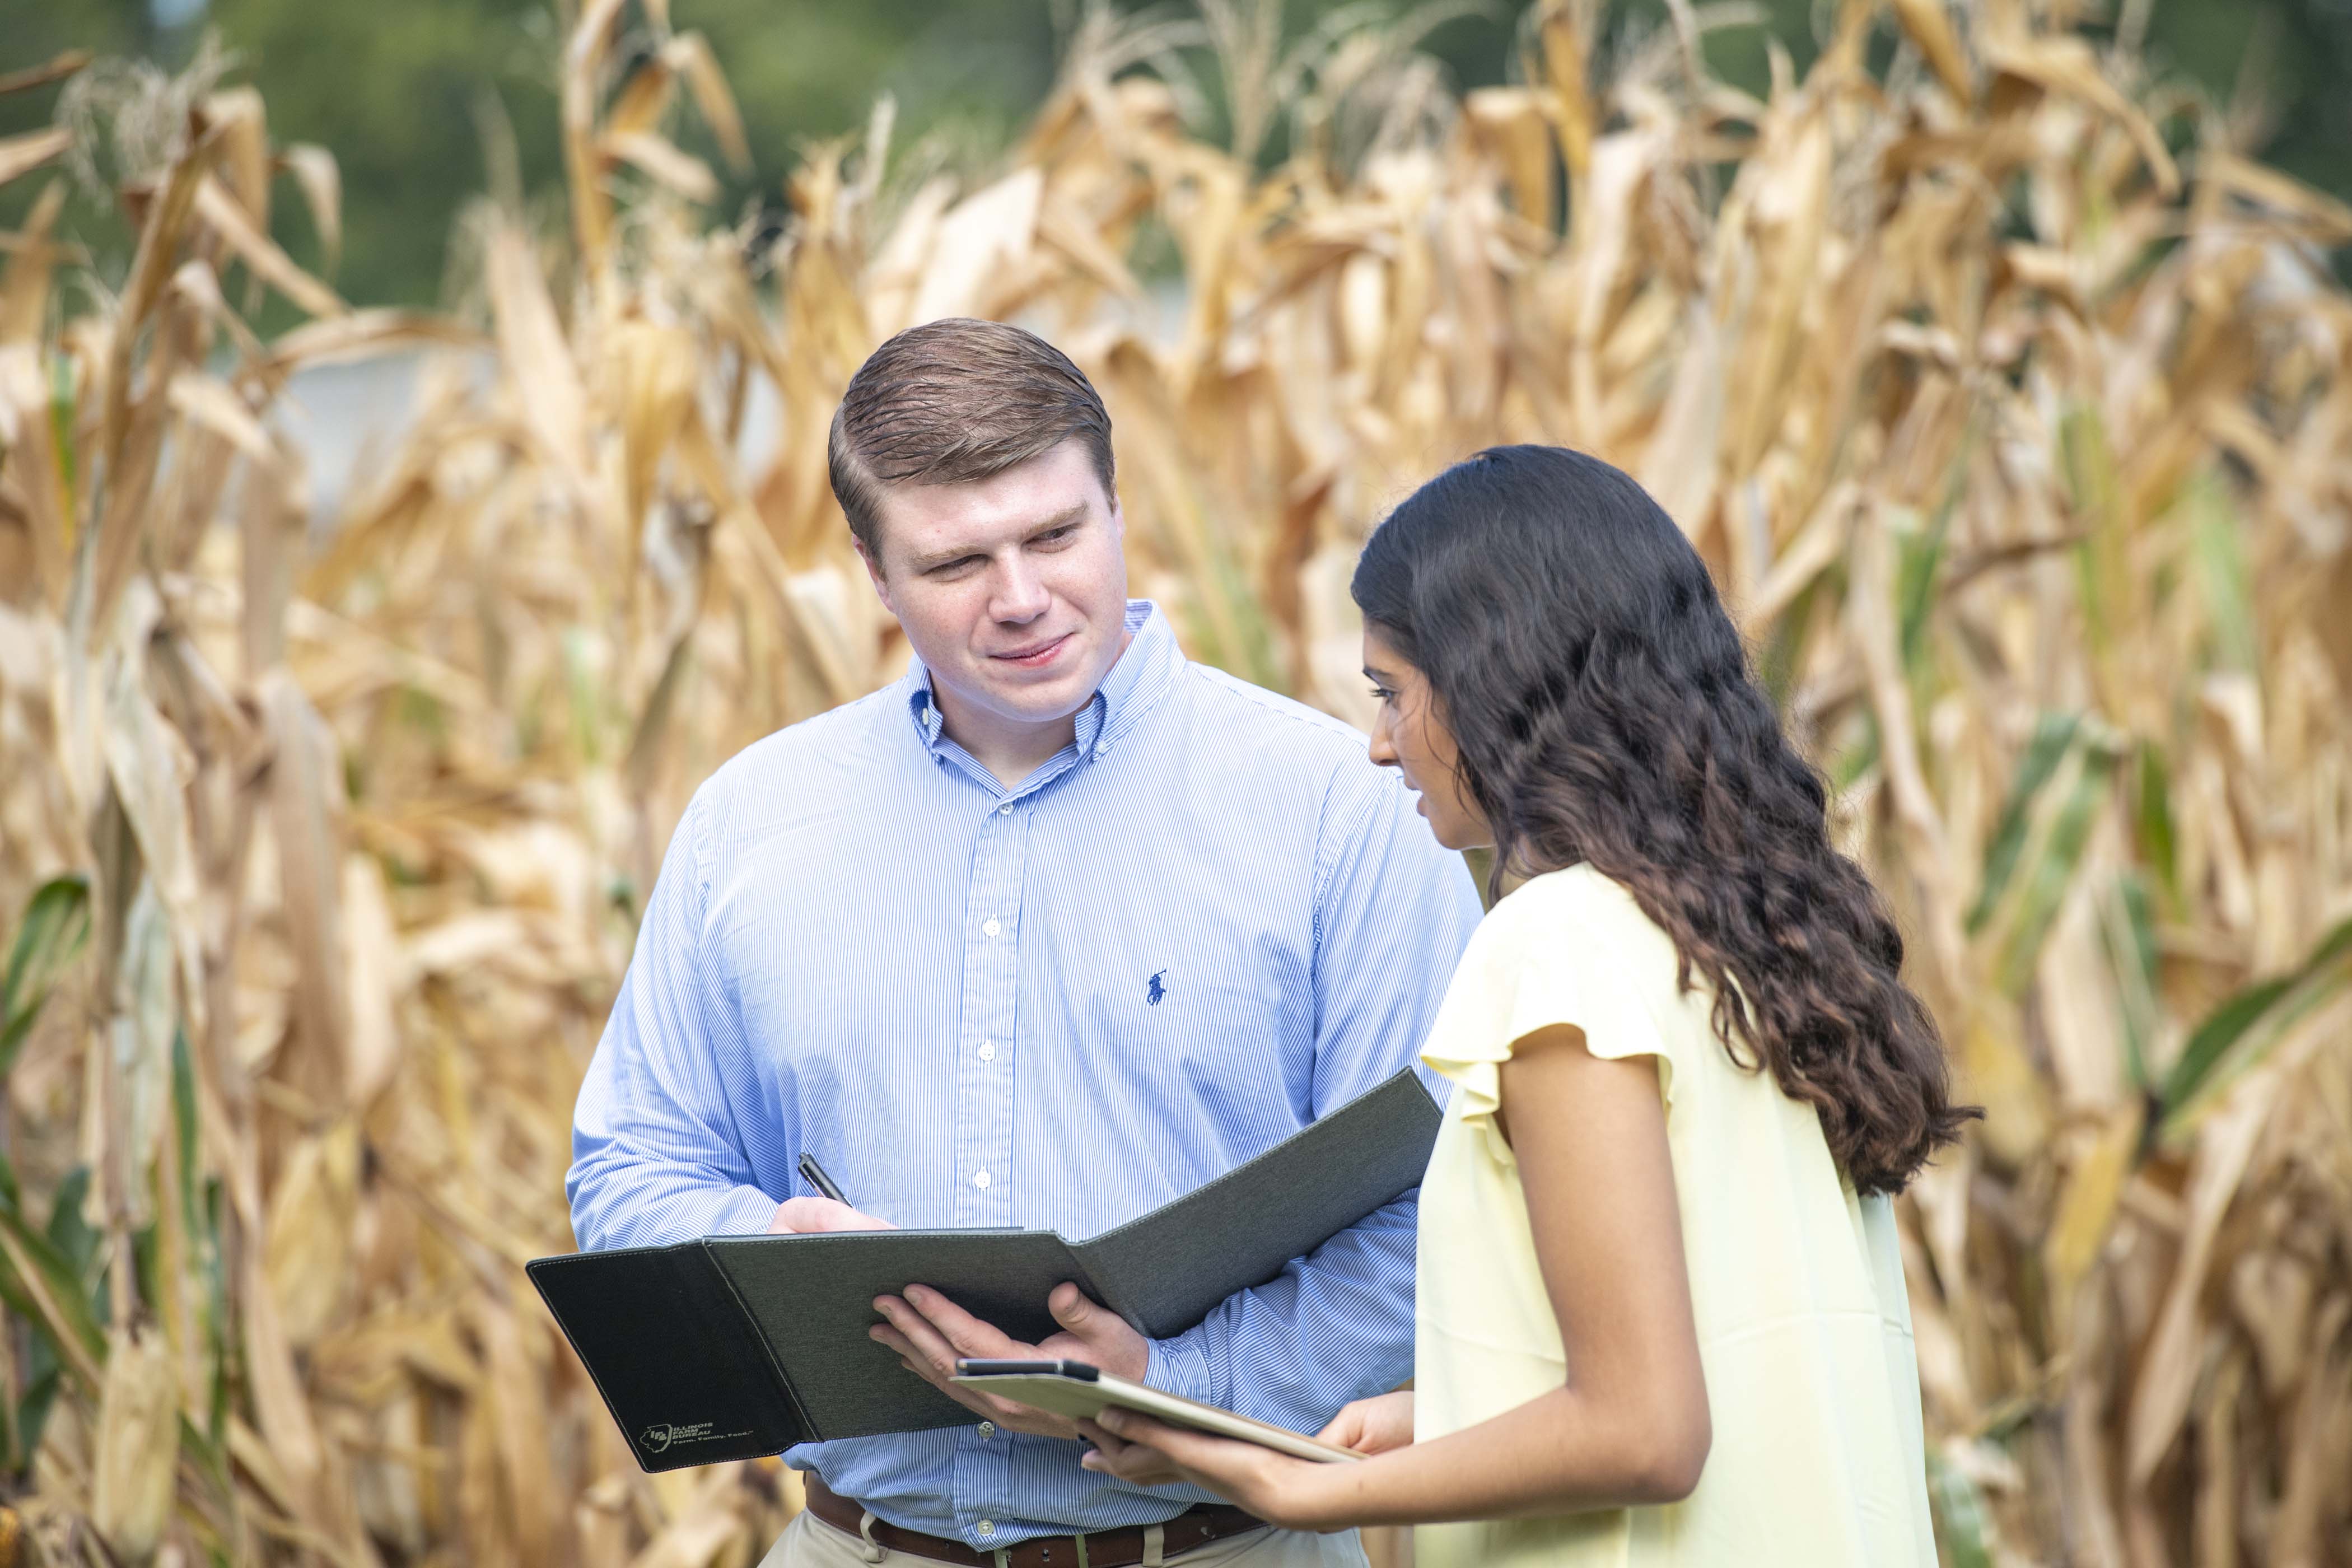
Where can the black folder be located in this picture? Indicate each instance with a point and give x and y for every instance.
(735, 1346)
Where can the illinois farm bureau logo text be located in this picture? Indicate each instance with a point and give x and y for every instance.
(664, 1436)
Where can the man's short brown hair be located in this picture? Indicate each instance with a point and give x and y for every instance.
(953, 401)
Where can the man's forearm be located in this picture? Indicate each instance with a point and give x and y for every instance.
(620, 1199)
(1335, 1326)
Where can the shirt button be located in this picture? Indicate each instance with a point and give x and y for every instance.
(987, 1527)
(987, 1430)
(988, 1050)
(1005, 810)
(990, 928)
(980, 1178)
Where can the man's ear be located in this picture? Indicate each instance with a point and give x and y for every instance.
(874, 572)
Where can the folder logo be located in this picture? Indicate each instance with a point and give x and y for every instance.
(662, 1434)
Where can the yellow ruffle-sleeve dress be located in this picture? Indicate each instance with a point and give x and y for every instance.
(1797, 1283)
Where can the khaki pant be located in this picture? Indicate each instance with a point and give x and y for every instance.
(809, 1542)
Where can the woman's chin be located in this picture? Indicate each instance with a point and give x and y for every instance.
(1460, 837)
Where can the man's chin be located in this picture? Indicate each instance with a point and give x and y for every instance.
(1069, 677)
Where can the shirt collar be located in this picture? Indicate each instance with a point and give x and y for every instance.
(1138, 678)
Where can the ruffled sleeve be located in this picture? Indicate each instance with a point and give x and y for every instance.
(1568, 947)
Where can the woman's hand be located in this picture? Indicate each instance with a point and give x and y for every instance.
(1372, 1425)
(1288, 1493)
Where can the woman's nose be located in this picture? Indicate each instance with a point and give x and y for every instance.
(1383, 752)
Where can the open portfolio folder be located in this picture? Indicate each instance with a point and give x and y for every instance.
(736, 1346)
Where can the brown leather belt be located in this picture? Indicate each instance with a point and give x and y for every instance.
(1195, 1527)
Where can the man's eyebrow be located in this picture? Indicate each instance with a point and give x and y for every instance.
(927, 563)
(1074, 512)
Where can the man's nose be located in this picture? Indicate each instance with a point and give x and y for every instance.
(1021, 593)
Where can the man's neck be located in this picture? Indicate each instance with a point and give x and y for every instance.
(1009, 749)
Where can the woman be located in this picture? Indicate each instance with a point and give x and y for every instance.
(1661, 1316)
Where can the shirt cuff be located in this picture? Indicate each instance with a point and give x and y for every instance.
(1180, 1367)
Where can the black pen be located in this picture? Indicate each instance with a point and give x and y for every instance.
(814, 1175)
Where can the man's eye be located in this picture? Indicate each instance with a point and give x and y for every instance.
(1058, 535)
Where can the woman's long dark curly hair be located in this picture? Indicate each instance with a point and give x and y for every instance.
(1604, 714)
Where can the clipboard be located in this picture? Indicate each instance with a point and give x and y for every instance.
(733, 1347)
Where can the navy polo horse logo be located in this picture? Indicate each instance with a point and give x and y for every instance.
(1157, 991)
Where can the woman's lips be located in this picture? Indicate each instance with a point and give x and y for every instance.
(1036, 657)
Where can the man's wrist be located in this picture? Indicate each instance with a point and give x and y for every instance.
(1178, 1366)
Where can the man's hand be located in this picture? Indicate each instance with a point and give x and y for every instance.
(803, 1217)
(1372, 1425)
(931, 1333)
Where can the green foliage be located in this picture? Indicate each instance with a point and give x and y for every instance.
(2052, 738)
(44, 1274)
(2243, 1029)
(2043, 888)
(2128, 925)
(77, 1243)
(2152, 820)
(54, 927)
(1963, 1524)
(2222, 576)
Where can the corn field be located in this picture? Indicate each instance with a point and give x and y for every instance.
(2007, 397)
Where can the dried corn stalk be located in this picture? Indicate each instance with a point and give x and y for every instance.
(2021, 444)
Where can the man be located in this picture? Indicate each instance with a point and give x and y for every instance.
(1054, 930)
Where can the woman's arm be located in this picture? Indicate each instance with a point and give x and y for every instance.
(1631, 1424)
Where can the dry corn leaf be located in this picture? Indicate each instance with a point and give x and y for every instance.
(532, 351)
(983, 236)
(681, 171)
(2174, 1356)
(240, 231)
(212, 405)
(321, 179)
(688, 53)
(27, 151)
(1928, 25)
(138, 1444)
(56, 68)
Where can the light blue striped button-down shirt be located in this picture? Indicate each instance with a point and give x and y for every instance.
(1056, 1007)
